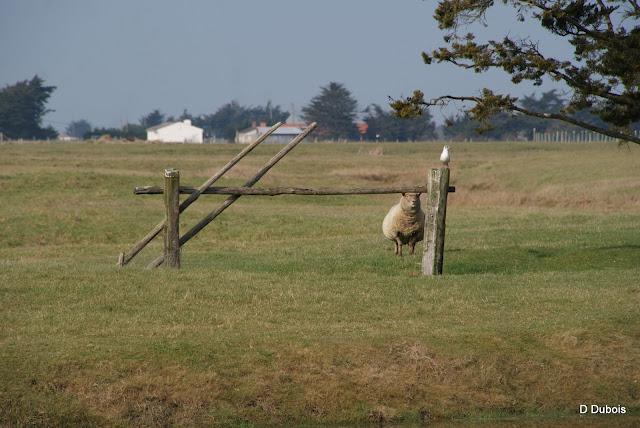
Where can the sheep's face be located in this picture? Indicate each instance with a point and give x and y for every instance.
(410, 201)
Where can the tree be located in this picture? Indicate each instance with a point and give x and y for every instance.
(268, 114)
(129, 131)
(603, 74)
(335, 110)
(152, 119)
(224, 123)
(22, 108)
(461, 127)
(385, 125)
(185, 115)
(510, 126)
(132, 131)
(101, 132)
(233, 117)
(78, 128)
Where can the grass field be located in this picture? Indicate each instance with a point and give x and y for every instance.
(293, 310)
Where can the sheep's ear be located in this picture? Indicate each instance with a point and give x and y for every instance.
(403, 194)
(419, 194)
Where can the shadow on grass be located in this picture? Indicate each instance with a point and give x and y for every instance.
(458, 261)
(512, 260)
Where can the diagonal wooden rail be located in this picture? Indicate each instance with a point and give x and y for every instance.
(126, 257)
(231, 199)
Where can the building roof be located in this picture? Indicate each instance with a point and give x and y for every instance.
(285, 129)
(165, 124)
(162, 125)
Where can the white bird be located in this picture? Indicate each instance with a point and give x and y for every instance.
(444, 157)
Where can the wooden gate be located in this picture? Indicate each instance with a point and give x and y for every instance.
(437, 189)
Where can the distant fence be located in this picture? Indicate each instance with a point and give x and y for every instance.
(574, 136)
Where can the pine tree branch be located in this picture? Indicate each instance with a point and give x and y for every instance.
(595, 33)
(531, 50)
(607, 13)
(586, 86)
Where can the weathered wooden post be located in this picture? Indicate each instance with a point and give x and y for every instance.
(434, 226)
(172, 225)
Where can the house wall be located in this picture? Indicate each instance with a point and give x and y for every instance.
(247, 137)
(251, 136)
(181, 132)
(280, 139)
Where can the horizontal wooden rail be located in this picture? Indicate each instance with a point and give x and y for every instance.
(274, 191)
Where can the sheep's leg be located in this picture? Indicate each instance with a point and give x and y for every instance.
(412, 247)
(399, 246)
(395, 243)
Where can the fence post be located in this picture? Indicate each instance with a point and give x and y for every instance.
(172, 226)
(434, 225)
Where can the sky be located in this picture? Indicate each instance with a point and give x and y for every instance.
(114, 61)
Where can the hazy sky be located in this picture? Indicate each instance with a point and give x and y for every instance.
(115, 60)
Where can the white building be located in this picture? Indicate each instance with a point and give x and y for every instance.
(62, 136)
(283, 134)
(175, 132)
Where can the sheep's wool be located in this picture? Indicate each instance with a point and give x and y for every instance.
(404, 223)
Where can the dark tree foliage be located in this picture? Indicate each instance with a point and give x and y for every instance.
(233, 117)
(553, 103)
(22, 108)
(78, 128)
(502, 126)
(185, 115)
(515, 125)
(224, 123)
(156, 117)
(130, 131)
(603, 73)
(335, 110)
(460, 127)
(267, 114)
(384, 125)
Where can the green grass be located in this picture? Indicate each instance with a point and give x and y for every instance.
(293, 310)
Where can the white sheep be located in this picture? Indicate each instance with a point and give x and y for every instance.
(404, 223)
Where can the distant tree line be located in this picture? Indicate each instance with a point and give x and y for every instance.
(224, 123)
(516, 126)
(23, 105)
(233, 117)
(336, 110)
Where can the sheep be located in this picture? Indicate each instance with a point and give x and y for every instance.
(404, 223)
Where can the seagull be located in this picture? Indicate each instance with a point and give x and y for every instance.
(444, 157)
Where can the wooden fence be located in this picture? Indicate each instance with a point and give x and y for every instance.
(437, 189)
